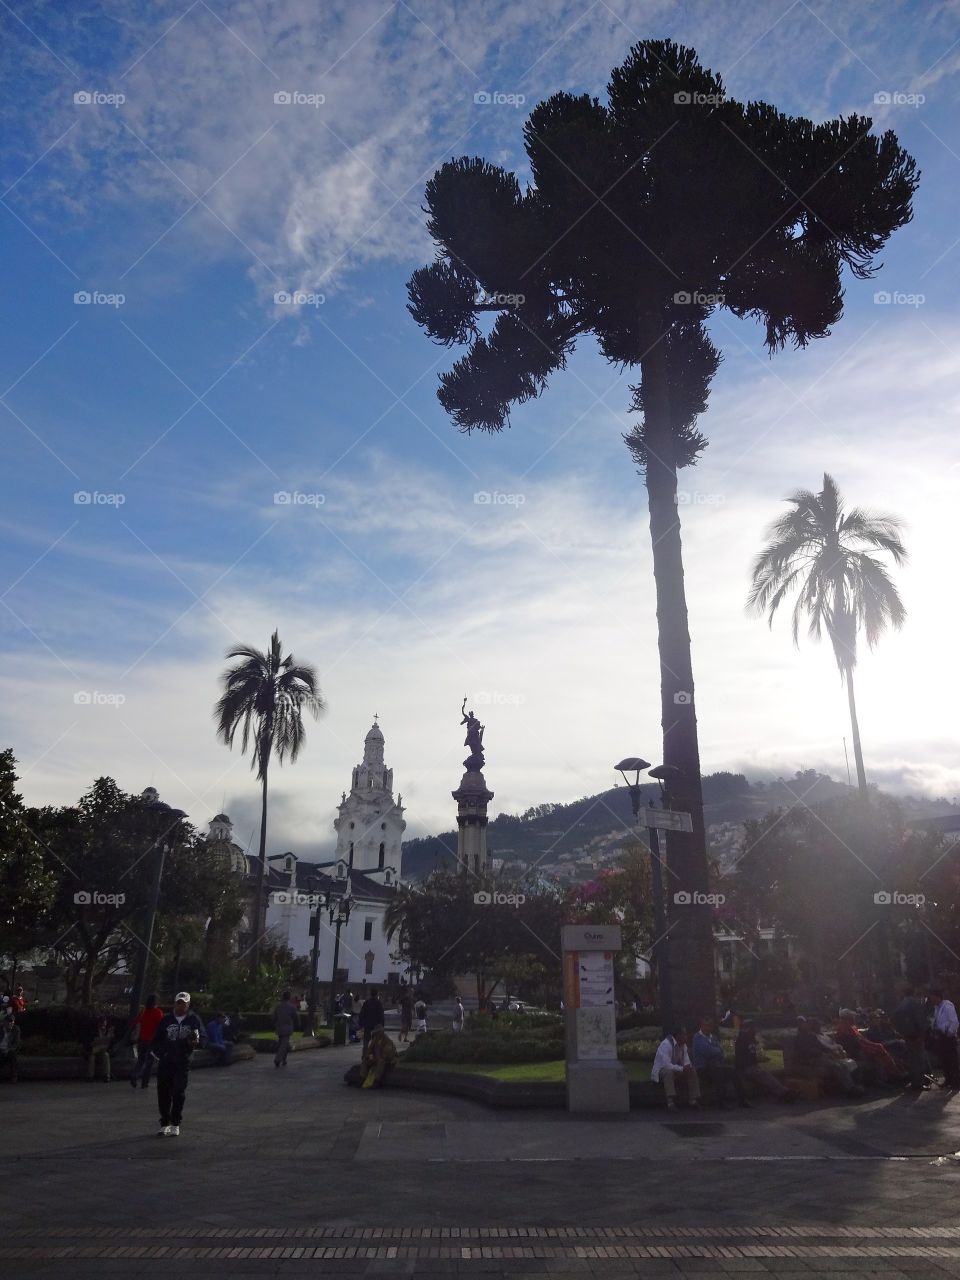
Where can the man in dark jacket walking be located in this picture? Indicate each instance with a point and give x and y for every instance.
(910, 1021)
(371, 1015)
(286, 1019)
(177, 1035)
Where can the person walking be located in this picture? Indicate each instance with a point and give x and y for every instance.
(371, 1015)
(177, 1035)
(945, 1028)
(910, 1022)
(145, 1023)
(286, 1016)
(458, 1015)
(406, 1016)
(420, 1009)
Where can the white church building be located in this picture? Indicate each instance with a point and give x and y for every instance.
(369, 827)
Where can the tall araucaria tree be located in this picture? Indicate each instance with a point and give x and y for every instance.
(820, 550)
(646, 215)
(264, 696)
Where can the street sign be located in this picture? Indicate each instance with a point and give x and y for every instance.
(590, 937)
(667, 819)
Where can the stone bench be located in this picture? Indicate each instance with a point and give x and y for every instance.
(30, 1067)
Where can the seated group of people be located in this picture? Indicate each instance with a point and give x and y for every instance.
(864, 1048)
(703, 1060)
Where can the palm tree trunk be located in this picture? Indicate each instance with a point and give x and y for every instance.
(690, 955)
(855, 730)
(259, 907)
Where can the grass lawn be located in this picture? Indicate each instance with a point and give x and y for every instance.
(523, 1072)
(271, 1036)
(553, 1072)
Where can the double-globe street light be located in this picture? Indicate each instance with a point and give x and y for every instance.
(660, 949)
(338, 906)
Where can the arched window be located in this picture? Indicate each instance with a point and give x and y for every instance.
(382, 855)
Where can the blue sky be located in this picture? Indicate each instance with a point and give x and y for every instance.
(196, 399)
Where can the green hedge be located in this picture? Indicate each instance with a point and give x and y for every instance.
(478, 1046)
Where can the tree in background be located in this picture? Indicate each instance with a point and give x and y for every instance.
(817, 549)
(440, 926)
(647, 214)
(848, 881)
(264, 696)
(27, 885)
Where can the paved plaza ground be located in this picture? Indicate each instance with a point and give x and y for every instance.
(289, 1173)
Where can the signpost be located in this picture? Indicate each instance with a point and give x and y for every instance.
(596, 1080)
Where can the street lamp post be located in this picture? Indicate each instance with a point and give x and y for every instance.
(339, 915)
(166, 819)
(660, 949)
(321, 902)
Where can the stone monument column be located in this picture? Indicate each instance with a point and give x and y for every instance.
(472, 797)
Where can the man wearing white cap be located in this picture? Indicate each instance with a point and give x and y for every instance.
(177, 1035)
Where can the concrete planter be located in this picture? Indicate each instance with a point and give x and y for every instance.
(296, 1046)
(75, 1068)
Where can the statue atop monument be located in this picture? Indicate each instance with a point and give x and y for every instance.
(474, 740)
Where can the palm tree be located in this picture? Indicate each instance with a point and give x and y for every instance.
(264, 696)
(646, 215)
(816, 548)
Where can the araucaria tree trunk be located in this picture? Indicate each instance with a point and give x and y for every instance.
(855, 731)
(689, 921)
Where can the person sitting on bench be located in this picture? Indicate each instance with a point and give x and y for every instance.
(672, 1063)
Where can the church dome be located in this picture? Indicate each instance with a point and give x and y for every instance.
(374, 734)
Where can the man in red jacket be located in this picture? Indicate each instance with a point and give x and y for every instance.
(146, 1022)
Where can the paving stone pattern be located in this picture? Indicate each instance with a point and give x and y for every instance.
(289, 1173)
